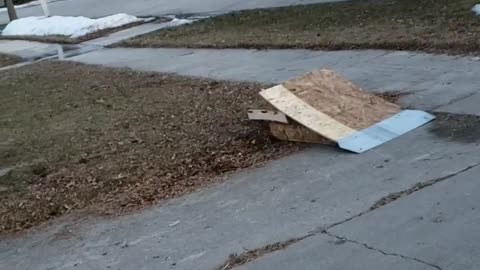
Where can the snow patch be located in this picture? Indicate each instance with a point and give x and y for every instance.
(177, 22)
(73, 27)
(476, 9)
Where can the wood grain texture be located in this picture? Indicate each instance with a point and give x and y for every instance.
(340, 99)
(297, 133)
(303, 113)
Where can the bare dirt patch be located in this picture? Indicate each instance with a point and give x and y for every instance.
(429, 25)
(82, 137)
(392, 96)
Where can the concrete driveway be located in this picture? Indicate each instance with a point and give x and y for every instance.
(100, 8)
(426, 179)
(323, 197)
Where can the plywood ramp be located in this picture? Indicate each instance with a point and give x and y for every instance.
(327, 108)
(305, 114)
(340, 99)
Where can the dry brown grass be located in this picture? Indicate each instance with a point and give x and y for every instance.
(108, 140)
(429, 25)
(7, 60)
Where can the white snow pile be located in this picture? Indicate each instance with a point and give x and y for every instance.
(177, 22)
(476, 9)
(73, 27)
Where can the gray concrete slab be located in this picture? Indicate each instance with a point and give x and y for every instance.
(464, 105)
(327, 253)
(32, 51)
(286, 198)
(431, 81)
(295, 195)
(27, 49)
(438, 225)
(95, 8)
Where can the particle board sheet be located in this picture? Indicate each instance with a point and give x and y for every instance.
(329, 93)
(323, 103)
(296, 133)
(305, 114)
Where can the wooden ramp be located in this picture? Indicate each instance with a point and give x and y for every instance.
(323, 107)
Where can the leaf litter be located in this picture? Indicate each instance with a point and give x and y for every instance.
(109, 141)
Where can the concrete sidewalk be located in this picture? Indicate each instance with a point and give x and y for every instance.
(292, 197)
(321, 194)
(28, 49)
(437, 228)
(430, 82)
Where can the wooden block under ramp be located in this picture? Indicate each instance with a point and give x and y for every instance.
(267, 115)
(297, 133)
(341, 112)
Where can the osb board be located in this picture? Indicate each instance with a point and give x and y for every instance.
(297, 133)
(340, 99)
(303, 113)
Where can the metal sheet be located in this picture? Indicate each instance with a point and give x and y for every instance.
(384, 131)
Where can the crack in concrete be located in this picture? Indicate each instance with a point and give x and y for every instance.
(454, 100)
(395, 196)
(418, 186)
(235, 260)
(382, 251)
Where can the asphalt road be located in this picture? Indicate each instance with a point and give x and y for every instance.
(100, 8)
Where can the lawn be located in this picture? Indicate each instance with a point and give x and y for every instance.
(77, 138)
(429, 25)
(7, 60)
